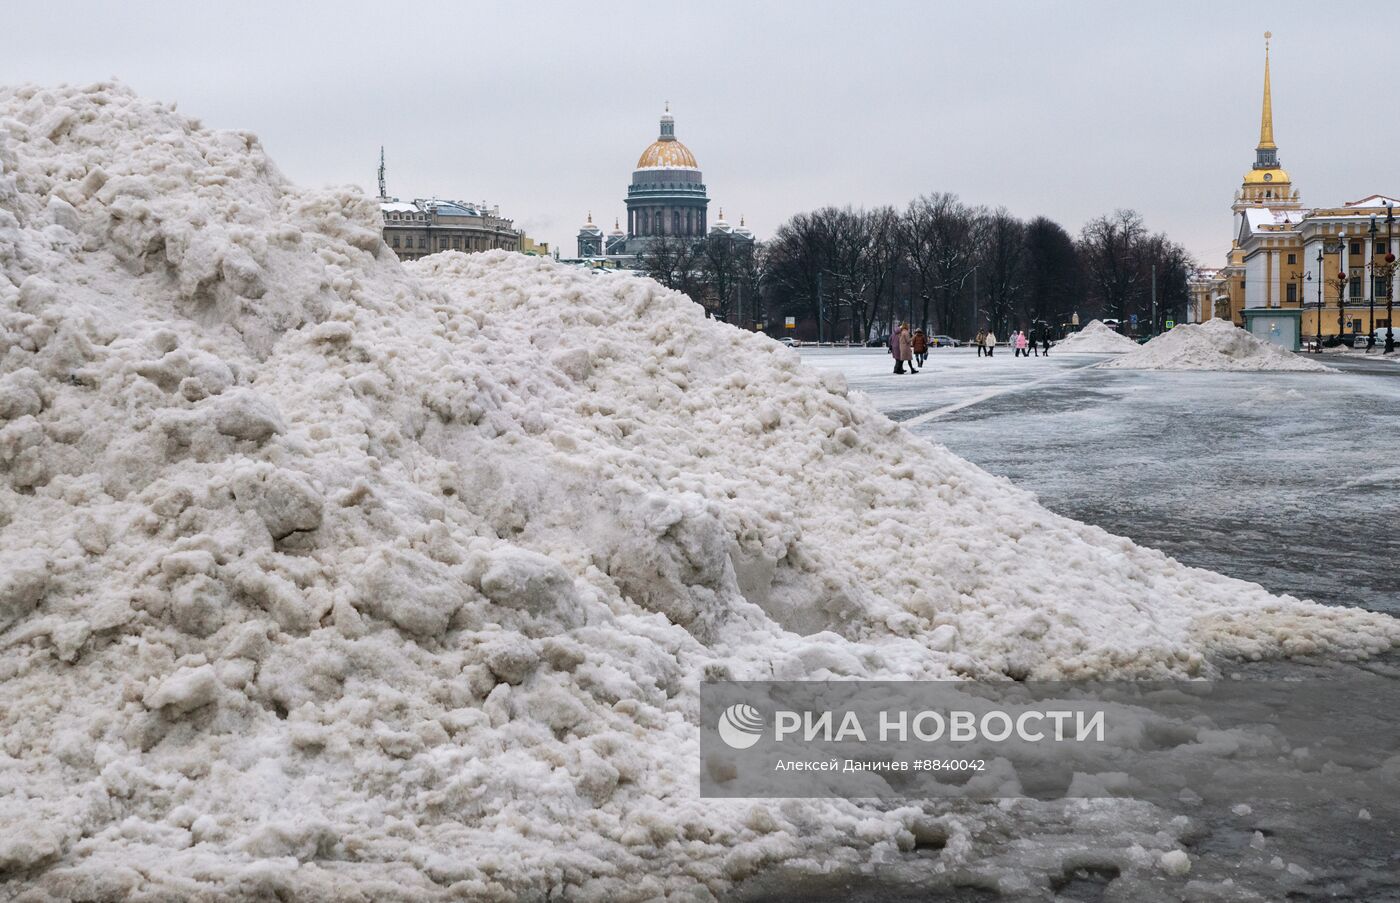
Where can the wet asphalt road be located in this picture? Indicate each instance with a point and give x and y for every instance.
(1291, 480)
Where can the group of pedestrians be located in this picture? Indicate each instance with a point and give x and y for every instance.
(1021, 343)
(907, 348)
(912, 347)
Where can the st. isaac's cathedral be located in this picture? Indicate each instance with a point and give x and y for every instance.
(667, 198)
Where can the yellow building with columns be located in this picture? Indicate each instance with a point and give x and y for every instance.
(1280, 280)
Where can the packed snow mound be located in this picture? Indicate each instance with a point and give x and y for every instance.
(326, 577)
(1213, 345)
(1096, 338)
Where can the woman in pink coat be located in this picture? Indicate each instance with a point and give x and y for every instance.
(1021, 343)
(902, 347)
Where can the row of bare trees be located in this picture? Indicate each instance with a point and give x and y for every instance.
(953, 268)
(939, 264)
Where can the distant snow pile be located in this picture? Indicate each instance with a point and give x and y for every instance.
(1213, 345)
(1096, 338)
(326, 578)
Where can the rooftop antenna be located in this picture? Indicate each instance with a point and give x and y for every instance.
(383, 192)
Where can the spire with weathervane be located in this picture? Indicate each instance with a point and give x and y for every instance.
(1266, 154)
(1266, 184)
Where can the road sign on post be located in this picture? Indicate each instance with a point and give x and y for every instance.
(789, 322)
(1171, 324)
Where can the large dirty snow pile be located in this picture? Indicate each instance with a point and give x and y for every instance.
(326, 577)
(1213, 345)
(1096, 338)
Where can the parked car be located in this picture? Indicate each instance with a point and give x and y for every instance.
(787, 340)
(882, 342)
(943, 341)
(1358, 341)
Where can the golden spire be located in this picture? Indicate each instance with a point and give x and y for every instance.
(1266, 122)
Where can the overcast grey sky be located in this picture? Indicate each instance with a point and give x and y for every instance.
(1062, 109)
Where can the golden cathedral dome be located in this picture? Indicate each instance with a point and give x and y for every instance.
(666, 152)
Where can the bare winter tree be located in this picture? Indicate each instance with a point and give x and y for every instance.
(1168, 267)
(794, 263)
(1001, 262)
(939, 239)
(1053, 287)
(1108, 249)
(841, 242)
(1124, 264)
(882, 255)
(718, 259)
(671, 261)
(750, 279)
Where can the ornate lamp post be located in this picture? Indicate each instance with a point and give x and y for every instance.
(1375, 272)
(1318, 348)
(1389, 281)
(1302, 277)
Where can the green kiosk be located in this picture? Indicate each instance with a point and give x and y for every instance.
(1281, 325)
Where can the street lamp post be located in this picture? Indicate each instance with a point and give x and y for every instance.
(1318, 348)
(1341, 303)
(1302, 278)
(1389, 280)
(1375, 272)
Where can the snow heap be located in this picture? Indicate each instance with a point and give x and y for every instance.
(1096, 338)
(322, 576)
(1213, 345)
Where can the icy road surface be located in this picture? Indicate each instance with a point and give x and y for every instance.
(1288, 479)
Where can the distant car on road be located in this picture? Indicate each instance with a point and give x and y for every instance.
(788, 341)
(881, 342)
(1359, 341)
(943, 341)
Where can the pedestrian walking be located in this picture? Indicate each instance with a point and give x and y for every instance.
(920, 345)
(989, 341)
(1020, 341)
(1034, 336)
(902, 347)
(980, 341)
(1045, 342)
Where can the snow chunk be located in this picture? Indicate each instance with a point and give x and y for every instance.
(24, 577)
(1175, 862)
(286, 501)
(185, 690)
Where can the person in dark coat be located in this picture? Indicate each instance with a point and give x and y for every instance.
(920, 346)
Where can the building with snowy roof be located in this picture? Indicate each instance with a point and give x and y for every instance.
(1281, 278)
(666, 200)
(427, 225)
